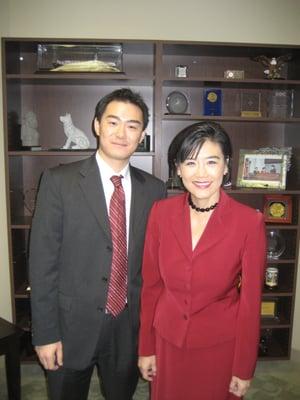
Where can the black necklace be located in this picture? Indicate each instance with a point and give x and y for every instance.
(198, 209)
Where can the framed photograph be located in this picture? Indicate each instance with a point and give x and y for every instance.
(278, 209)
(263, 169)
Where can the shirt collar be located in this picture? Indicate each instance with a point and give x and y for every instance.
(107, 172)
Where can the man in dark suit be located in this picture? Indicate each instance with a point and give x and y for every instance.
(72, 250)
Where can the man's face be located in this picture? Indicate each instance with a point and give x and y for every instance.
(120, 130)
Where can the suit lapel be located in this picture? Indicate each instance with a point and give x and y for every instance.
(92, 188)
(216, 228)
(137, 208)
(214, 232)
(181, 227)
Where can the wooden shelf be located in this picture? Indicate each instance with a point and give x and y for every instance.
(149, 68)
(248, 191)
(277, 293)
(22, 292)
(81, 78)
(274, 323)
(42, 153)
(183, 117)
(21, 222)
(280, 83)
(281, 261)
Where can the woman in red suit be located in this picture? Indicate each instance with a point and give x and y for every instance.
(203, 269)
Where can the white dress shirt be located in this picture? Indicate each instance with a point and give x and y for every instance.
(106, 172)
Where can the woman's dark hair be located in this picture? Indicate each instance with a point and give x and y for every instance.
(188, 142)
(126, 96)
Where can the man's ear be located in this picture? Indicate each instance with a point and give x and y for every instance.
(142, 136)
(96, 126)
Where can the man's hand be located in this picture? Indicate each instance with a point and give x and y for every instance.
(147, 366)
(50, 355)
(238, 386)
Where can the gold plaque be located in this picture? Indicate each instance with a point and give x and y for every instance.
(268, 309)
(250, 104)
(234, 74)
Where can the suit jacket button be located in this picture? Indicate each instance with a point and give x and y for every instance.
(109, 248)
(104, 278)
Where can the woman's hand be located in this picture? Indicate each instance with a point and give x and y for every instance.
(147, 366)
(239, 387)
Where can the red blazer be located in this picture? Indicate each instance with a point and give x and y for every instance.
(191, 297)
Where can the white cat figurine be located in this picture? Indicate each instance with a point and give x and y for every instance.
(74, 135)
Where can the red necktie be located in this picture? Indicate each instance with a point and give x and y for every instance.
(117, 289)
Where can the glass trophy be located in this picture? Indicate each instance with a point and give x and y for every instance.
(281, 104)
(250, 104)
(275, 244)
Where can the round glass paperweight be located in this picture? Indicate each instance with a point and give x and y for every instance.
(275, 244)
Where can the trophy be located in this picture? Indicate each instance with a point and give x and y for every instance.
(273, 65)
(275, 244)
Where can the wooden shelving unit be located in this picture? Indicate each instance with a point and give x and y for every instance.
(149, 68)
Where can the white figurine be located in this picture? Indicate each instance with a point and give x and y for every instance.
(74, 135)
(29, 134)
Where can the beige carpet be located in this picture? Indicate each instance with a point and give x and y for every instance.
(278, 380)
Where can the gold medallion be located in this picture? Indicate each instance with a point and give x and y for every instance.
(277, 209)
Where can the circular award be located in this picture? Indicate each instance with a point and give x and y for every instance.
(177, 103)
(277, 209)
(212, 97)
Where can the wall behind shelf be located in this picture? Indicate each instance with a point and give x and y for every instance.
(257, 21)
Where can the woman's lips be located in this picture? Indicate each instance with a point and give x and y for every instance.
(202, 185)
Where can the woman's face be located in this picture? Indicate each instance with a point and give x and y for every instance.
(203, 176)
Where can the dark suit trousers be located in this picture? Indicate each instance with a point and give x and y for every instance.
(115, 358)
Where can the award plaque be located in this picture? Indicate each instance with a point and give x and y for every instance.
(234, 74)
(281, 104)
(250, 104)
(181, 71)
(268, 308)
(212, 102)
(278, 209)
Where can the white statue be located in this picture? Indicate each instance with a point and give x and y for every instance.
(74, 135)
(29, 134)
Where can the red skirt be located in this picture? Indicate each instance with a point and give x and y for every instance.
(192, 374)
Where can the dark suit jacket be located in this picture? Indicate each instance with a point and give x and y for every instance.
(71, 253)
(191, 297)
